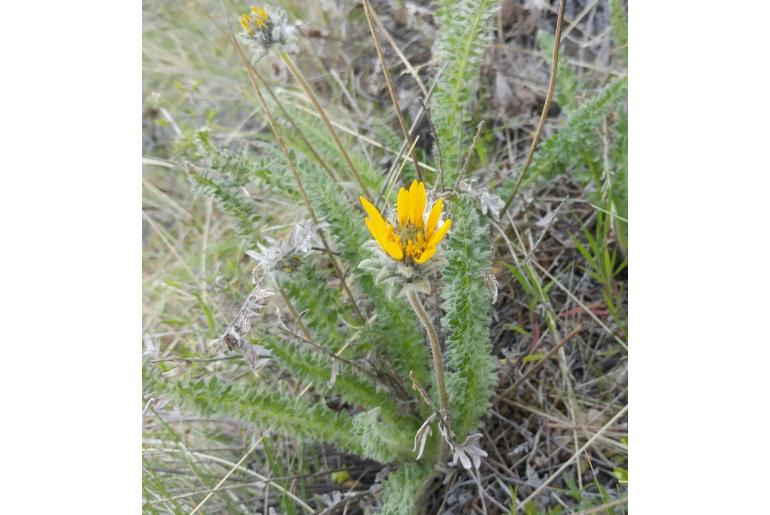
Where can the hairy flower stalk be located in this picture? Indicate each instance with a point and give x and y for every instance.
(438, 364)
(410, 245)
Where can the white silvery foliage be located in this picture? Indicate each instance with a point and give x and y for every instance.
(234, 338)
(304, 236)
(469, 453)
(490, 281)
(422, 435)
(489, 203)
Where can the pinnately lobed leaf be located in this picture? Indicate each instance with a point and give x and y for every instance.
(578, 136)
(273, 410)
(402, 488)
(317, 369)
(468, 304)
(322, 305)
(381, 440)
(463, 36)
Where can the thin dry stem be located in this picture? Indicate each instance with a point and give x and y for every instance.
(468, 155)
(294, 126)
(391, 89)
(297, 179)
(297, 74)
(438, 364)
(546, 106)
(397, 50)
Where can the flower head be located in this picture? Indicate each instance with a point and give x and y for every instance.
(416, 234)
(255, 21)
(264, 29)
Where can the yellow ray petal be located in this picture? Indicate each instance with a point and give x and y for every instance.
(377, 231)
(372, 211)
(426, 255)
(435, 212)
(393, 248)
(417, 192)
(402, 206)
(437, 236)
(412, 198)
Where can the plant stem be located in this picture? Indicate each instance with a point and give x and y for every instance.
(393, 97)
(546, 106)
(295, 173)
(438, 364)
(314, 100)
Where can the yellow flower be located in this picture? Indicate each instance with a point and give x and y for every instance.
(414, 239)
(258, 20)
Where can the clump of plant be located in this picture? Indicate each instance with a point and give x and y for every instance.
(366, 330)
(342, 308)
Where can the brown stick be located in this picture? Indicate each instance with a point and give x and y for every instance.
(438, 364)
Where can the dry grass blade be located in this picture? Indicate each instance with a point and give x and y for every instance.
(400, 54)
(297, 74)
(603, 507)
(546, 106)
(226, 476)
(537, 365)
(567, 463)
(239, 466)
(391, 90)
(468, 155)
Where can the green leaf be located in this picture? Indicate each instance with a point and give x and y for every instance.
(533, 357)
(468, 306)
(271, 410)
(402, 488)
(463, 35)
(619, 26)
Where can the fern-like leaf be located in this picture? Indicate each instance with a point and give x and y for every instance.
(382, 440)
(619, 26)
(270, 410)
(403, 487)
(322, 305)
(463, 35)
(317, 369)
(468, 304)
